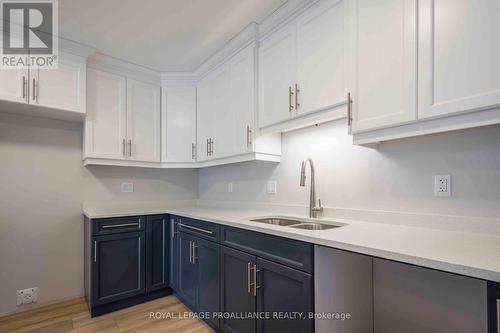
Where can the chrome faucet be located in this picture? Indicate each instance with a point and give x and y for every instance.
(314, 210)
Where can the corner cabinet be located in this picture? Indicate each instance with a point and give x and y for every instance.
(126, 261)
(226, 114)
(302, 78)
(58, 93)
(123, 120)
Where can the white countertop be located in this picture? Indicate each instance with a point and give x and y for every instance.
(471, 254)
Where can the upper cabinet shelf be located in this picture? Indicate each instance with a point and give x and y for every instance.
(302, 72)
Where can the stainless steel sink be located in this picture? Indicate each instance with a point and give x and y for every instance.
(314, 226)
(299, 224)
(277, 221)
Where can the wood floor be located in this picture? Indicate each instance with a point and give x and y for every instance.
(73, 316)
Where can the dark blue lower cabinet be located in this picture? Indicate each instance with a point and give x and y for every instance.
(188, 270)
(493, 307)
(283, 290)
(118, 267)
(206, 256)
(237, 290)
(157, 252)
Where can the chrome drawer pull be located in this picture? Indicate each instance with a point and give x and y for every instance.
(111, 226)
(196, 229)
(498, 315)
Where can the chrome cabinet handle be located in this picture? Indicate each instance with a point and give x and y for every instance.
(297, 90)
(208, 149)
(249, 136)
(349, 111)
(124, 148)
(24, 87)
(193, 151)
(34, 90)
(194, 252)
(95, 251)
(249, 285)
(112, 226)
(130, 147)
(190, 252)
(290, 94)
(255, 286)
(211, 147)
(498, 315)
(196, 229)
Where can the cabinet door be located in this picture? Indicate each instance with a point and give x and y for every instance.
(188, 271)
(413, 299)
(384, 91)
(223, 117)
(143, 121)
(118, 267)
(157, 253)
(179, 124)
(105, 124)
(283, 289)
(205, 117)
(14, 85)
(62, 88)
(320, 57)
(207, 258)
(237, 293)
(242, 100)
(459, 69)
(174, 254)
(277, 74)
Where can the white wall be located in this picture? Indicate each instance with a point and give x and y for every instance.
(43, 184)
(396, 177)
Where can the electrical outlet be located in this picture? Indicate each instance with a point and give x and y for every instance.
(27, 296)
(230, 187)
(271, 187)
(442, 185)
(127, 187)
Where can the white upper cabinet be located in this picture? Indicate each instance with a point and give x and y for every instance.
(459, 52)
(222, 116)
(14, 85)
(385, 50)
(61, 88)
(123, 120)
(59, 91)
(302, 78)
(179, 124)
(105, 124)
(277, 76)
(242, 100)
(205, 118)
(320, 57)
(143, 121)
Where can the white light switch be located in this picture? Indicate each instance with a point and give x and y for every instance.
(272, 187)
(127, 187)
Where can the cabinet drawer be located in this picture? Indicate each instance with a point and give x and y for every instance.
(199, 228)
(118, 225)
(288, 252)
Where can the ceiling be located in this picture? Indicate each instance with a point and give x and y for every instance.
(164, 35)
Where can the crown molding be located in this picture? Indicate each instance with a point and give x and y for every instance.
(120, 67)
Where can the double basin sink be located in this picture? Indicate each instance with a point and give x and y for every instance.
(296, 223)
